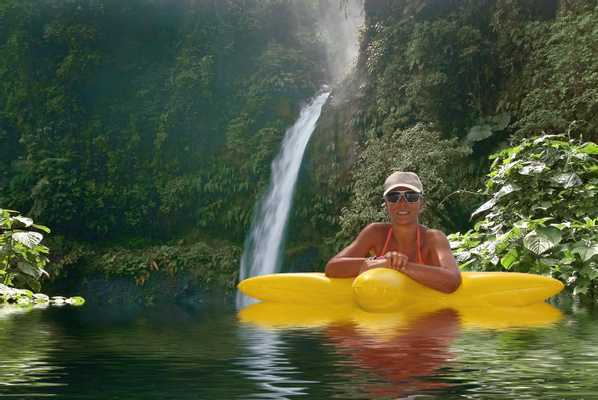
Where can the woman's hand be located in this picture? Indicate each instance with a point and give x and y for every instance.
(392, 259)
(374, 262)
(396, 260)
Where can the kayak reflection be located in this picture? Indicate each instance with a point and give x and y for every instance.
(291, 316)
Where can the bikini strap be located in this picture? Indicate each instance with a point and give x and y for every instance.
(420, 259)
(388, 236)
(418, 244)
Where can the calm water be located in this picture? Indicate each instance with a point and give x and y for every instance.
(207, 353)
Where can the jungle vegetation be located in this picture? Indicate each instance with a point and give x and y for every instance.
(142, 132)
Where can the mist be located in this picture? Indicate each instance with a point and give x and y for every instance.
(340, 24)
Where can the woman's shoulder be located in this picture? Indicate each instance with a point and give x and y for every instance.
(433, 234)
(375, 229)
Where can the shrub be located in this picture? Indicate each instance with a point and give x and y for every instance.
(542, 214)
(211, 265)
(22, 256)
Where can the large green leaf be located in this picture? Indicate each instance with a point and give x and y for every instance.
(29, 239)
(24, 220)
(567, 180)
(508, 259)
(29, 269)
(506, 189)
(542, 239)
(41, 228)
(486, 206)
(585, 253)
(532, 167)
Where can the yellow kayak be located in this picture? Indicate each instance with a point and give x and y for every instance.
(386, 290)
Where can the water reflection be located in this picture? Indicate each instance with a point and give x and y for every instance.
(266, 364)
(401, 353)
(285, 352)
(404, 361)
(293, 316)
(25, 359)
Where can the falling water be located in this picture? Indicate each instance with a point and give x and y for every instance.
(263, 246)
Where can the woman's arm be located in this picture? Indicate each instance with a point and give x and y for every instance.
(444, 277)
(351, 261)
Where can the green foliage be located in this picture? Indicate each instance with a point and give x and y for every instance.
(210, 265)
(124, 119)
(22, 256)
(553, 67)
(435, 160)
(542, 215)
(426, 67)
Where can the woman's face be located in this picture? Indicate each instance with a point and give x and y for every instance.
(403, 212)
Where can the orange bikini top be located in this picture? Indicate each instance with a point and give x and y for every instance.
(420, 259)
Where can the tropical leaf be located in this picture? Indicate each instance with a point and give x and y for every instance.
(29, 269)
(567, 180)
(506, 189)
(24, 220)
(585, 253)
(484, 207)
(532, 167)
(41, 228)
(508, 259)
(542, 239)
(544, 138)
(505, 169)
(29, 239)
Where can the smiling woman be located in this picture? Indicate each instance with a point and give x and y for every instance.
(403, 244)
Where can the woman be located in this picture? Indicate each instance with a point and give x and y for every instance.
(421, 253)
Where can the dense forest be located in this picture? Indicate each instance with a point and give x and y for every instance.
(142, 132)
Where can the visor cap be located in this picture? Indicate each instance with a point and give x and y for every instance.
(403, 179)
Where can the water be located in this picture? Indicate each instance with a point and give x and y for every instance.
(173, 352)
(263, 246)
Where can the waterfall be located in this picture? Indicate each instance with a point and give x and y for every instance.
(263, 247)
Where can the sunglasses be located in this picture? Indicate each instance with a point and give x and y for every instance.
(410, 196)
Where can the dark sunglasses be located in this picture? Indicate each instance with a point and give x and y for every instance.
(410, 196)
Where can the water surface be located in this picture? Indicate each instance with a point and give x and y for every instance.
(173, 352)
